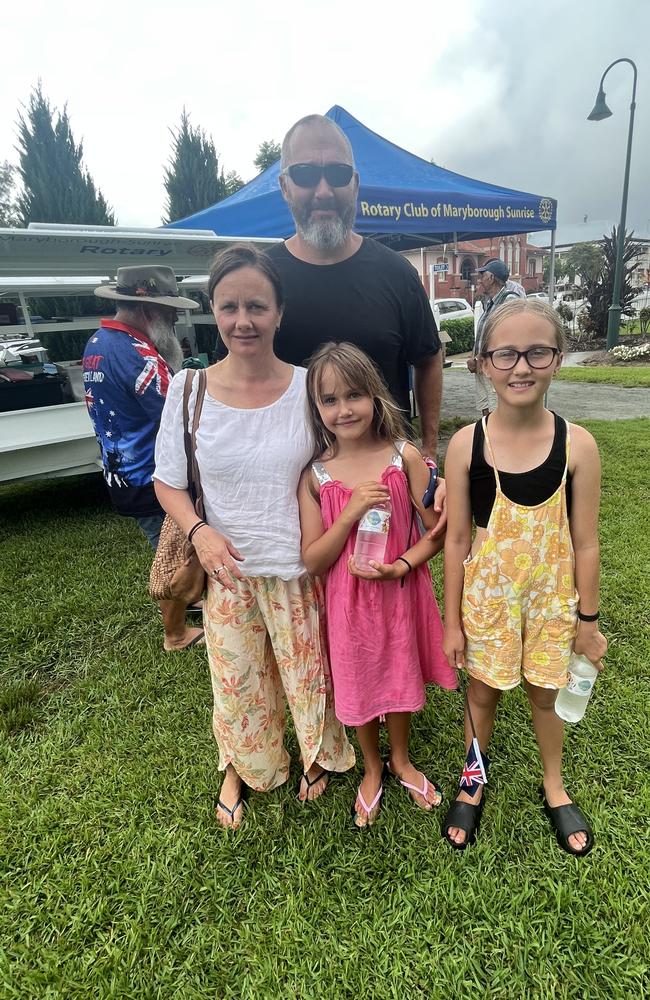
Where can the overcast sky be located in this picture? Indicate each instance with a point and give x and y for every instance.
(493, 90)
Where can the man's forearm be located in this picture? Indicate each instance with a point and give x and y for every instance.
(427, 388)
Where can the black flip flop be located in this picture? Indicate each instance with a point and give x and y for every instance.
(566, 820)
(467, 817)
(241, 801)
(310, 784)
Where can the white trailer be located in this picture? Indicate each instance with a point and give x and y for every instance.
(53, 441)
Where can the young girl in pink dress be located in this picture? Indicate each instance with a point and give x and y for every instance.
(383, 624)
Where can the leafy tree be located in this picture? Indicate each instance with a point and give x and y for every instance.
(233, 182)
(268, 153)
(8, 206)
(600, 284)
(193, 180)
(586, 261)
(560, 269)
(56, 185)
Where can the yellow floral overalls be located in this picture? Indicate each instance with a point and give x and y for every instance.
(519, 605)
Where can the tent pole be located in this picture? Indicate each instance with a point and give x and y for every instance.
(27, 318)
(551, 270)
(551, 288)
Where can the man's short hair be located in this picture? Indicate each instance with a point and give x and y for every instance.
(321, 120)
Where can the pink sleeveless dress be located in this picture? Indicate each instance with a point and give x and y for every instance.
(385, 640)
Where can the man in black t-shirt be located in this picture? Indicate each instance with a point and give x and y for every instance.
(340, 286)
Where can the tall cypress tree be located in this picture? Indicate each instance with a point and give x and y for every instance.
(193, 180)
(56, 185)
(8, 213)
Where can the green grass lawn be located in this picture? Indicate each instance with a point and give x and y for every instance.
(117, 882)
(607, 375)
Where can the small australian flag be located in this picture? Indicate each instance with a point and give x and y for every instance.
(475, 770)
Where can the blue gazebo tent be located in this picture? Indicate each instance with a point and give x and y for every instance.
(403, 200)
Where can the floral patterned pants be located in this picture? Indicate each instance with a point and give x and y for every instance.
(264, 644)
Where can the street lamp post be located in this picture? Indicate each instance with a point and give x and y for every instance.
(600, 111)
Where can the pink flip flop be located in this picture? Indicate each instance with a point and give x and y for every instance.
(367, 807)
(426, 784)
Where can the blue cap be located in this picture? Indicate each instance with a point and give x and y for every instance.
(497, 268)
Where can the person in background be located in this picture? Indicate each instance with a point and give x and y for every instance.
(128, 364)
(494, 285)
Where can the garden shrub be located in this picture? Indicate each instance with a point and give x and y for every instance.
(644, 319)
(461, 332)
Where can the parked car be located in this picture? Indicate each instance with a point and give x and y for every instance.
(537, 295)
(452, 309)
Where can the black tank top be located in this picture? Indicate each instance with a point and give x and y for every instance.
(528, 488)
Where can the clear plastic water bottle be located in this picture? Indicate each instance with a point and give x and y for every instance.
(571, 701)
(372, 535)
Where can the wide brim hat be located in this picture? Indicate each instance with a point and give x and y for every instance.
(147, 283)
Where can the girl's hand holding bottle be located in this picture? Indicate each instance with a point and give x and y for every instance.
(591, 643)
(363, 498)
(379, 571)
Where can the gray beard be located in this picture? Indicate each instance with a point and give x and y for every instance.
(164, 339)
(324, 234)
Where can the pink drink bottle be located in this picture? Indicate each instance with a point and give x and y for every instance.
(372, 535)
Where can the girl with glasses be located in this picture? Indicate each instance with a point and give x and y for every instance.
(524, 594)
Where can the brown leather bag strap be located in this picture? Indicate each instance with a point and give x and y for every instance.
(189, 437)
(196, 476)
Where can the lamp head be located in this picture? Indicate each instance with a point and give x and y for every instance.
(600, 109)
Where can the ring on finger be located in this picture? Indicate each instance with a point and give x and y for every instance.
(217, 569)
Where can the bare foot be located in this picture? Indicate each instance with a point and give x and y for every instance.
(406, 772)
(556, 796)
(190, 637)
(370, 785)
(308, 791)
(454, 832)
(230, 792)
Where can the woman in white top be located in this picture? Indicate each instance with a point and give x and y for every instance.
(261, 612)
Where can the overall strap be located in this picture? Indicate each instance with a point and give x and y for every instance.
(397, 457)
(489, 444)
(567, 450)
(321, 473)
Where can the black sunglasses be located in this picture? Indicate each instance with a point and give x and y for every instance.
(308, 175)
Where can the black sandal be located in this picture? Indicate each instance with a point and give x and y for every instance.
(566, 820)
(310, 784)
(467, 817)
(241, 801)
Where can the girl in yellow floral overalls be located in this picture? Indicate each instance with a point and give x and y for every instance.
(525, 593)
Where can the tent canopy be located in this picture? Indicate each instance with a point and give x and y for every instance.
(403, 199)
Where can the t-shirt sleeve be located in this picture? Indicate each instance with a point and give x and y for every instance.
(171, 464)
(422, 339)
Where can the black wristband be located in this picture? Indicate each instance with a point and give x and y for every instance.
(402, 559)
(194, 528)
(587, 618)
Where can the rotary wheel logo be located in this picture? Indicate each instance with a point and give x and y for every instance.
(546, 209)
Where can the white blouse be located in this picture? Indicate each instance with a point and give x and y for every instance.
(250, 463)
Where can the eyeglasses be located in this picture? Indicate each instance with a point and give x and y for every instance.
(536, 357)
(308, 175)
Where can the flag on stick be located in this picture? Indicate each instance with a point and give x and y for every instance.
(475, 770)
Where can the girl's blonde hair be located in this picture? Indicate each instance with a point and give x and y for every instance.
(512, 307)
(360, 373)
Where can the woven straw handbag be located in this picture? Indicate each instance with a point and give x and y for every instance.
(176, 573)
